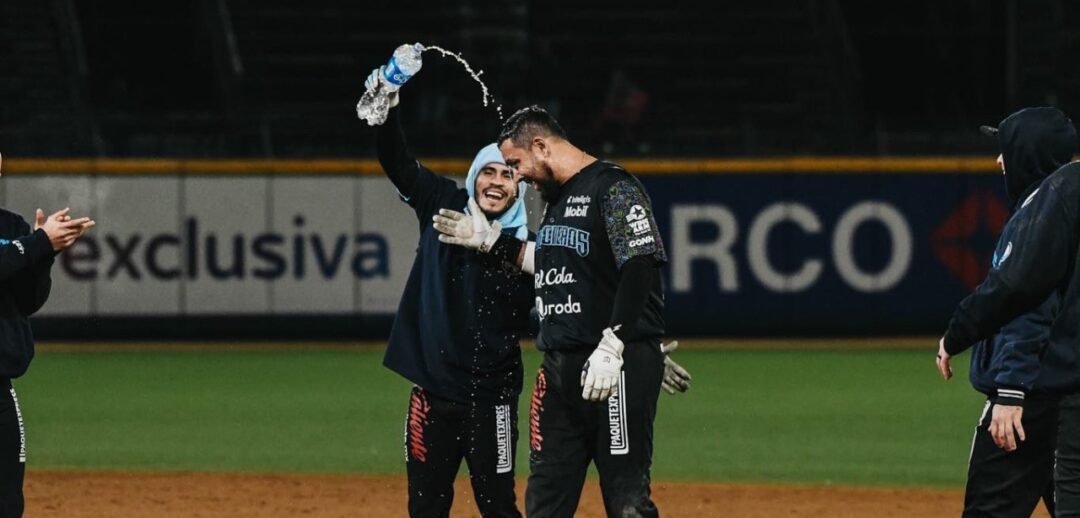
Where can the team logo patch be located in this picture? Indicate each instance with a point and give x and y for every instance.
(639, 221)
(620, 443)
(5, 242)
(565, 237)
(1004, 255)
(504, 462)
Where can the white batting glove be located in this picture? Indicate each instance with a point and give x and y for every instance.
(600, 374)
(472, 231)
(373, 80)
(676, 379)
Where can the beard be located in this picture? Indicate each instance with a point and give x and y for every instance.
(548, 186)
(549, 190)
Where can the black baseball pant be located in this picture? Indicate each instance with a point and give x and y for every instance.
(1010, 484)
(1067, 469)
(566, 433)
(12, 453)
(439, 433)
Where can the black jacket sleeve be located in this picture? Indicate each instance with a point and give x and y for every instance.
(23, 252)
(34, 282)
(417, 185)
(1042, 256)
(507, 249)
(32, 289)
(636, 278)
(397, 161)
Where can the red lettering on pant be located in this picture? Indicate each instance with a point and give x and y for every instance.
(535, 409)
(418, 419)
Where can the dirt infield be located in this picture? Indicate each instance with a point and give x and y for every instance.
(152, 495)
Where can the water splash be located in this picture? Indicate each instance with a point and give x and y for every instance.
(475, 75)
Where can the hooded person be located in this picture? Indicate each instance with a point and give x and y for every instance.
(513, 220)
(1034, 143)
(1006, 478)
(456, 334)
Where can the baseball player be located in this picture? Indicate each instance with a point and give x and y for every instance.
(1006, 478)
(1041, 261)
(596, 263)
(456, 333)
(26, 256)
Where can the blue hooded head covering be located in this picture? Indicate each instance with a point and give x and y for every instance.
(514, 221)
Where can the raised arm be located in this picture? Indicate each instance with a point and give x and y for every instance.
(34, 283)
(397, 161)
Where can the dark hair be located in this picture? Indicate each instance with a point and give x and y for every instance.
(528, 123)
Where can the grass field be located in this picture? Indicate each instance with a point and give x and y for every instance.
(863, 417)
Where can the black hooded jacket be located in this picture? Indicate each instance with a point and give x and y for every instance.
(26, 257)
(1035, 142)
(1029, 303)
(461, 317)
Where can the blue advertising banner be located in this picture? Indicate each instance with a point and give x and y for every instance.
(816, 254)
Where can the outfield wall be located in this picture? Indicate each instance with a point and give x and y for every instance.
(321, 249)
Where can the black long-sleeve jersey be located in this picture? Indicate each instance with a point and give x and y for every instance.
(601, 223)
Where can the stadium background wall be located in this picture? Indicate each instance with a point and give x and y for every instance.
(293, 249)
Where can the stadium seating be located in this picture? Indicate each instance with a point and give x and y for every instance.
(280, 78)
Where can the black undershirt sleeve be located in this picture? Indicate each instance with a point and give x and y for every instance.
(636, 278)
(507, 249)
(394, 155)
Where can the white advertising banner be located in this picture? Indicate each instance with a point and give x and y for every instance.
(244, 245)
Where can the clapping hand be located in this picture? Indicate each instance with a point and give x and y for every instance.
(61, 229)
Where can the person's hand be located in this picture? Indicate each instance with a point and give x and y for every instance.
(676, 379)
(61, 229)
(600, 374)
(1006, 426)
(943, 360)
(373, 80)
(473, 231)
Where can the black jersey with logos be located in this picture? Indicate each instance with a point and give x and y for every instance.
(601, 220)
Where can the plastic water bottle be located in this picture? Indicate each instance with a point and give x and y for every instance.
(375, 103)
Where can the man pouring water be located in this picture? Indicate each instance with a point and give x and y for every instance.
(458, 325)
